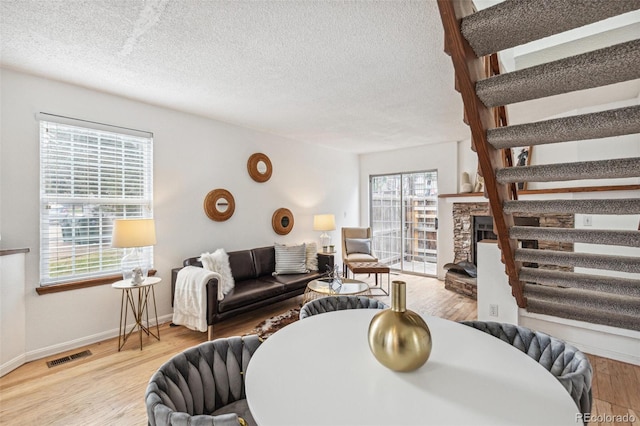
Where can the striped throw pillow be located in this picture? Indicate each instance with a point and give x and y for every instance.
(290, 259)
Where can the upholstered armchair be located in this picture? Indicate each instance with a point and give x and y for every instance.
(203, 385)
(570, 366)
(337, 303)
(355, 247)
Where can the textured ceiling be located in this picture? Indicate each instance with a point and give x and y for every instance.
(359, 76)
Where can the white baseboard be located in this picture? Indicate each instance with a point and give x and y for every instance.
(601, 340)
(83, 341)
(11, 365)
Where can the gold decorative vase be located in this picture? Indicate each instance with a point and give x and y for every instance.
(399, 338)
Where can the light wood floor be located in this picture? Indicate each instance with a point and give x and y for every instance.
(108, 387)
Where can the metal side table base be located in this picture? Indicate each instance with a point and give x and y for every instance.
(139, 305)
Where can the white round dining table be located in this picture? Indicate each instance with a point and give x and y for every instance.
(320, 371)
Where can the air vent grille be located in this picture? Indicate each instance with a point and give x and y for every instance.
(68, 358)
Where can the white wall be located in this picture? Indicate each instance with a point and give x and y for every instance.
(12, 312)
(493, 286)
(467, 162)
(442, 157)
(192, 155)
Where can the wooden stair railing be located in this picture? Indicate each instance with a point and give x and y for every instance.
(469, 69)
(492, 67)
(500, 115)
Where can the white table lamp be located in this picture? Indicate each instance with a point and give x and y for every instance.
(134, 234)
(324, 222)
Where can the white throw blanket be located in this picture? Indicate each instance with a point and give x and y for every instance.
(190, 300)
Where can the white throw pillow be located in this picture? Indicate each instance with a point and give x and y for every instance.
(207, 261)
(312, 256)
(218, 261)
(290, 259)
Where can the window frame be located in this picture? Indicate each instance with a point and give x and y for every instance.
(118, 185)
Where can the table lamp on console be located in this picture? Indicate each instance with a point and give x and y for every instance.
(324, 222)
(134, 234)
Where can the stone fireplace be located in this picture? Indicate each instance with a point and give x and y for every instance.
(472, 223)
(483, 230)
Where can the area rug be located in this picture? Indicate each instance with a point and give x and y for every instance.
(267, 327)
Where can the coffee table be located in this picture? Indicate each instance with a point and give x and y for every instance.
(326, 287)
(371, 268)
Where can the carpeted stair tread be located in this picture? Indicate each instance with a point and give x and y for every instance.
(600, 283)
(621, 206)
(601, 67)
(616, 122)
(589, 236)
(565, 310)
(600, 169)
(515, 22)
(584, 260)
(586, 299)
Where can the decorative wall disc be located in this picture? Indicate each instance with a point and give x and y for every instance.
(282, 221)
(219, 205)
(259, 167)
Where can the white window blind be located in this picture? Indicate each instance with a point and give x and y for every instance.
(89, 176)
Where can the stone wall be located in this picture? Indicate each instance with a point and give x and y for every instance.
(463, 227)
(461, 284)
(463, 230)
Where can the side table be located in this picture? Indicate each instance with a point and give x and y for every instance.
(139, 309)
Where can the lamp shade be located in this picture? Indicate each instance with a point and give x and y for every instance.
(324, 222)
(133, 233)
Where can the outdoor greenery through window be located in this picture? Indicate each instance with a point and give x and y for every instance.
(90, 174)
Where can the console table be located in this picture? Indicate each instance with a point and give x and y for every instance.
(323, 370)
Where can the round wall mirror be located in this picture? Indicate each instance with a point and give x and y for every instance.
(282, 221)
(222, 205)
(259, 167)
(219, 205)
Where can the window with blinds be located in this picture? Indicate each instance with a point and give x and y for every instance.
(90, 174)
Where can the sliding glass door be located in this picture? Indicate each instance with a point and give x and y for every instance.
(386, 218)
(404, 209)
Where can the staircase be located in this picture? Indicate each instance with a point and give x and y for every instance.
(612, 295)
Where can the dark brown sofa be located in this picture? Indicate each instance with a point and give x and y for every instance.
(255, 286)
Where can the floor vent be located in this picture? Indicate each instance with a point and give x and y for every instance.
(66, 359)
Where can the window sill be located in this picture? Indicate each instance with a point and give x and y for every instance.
(75, 285)
(13, 251)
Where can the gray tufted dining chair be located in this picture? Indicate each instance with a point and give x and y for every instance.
(337, 303)
(204, 385)
(570, 366)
